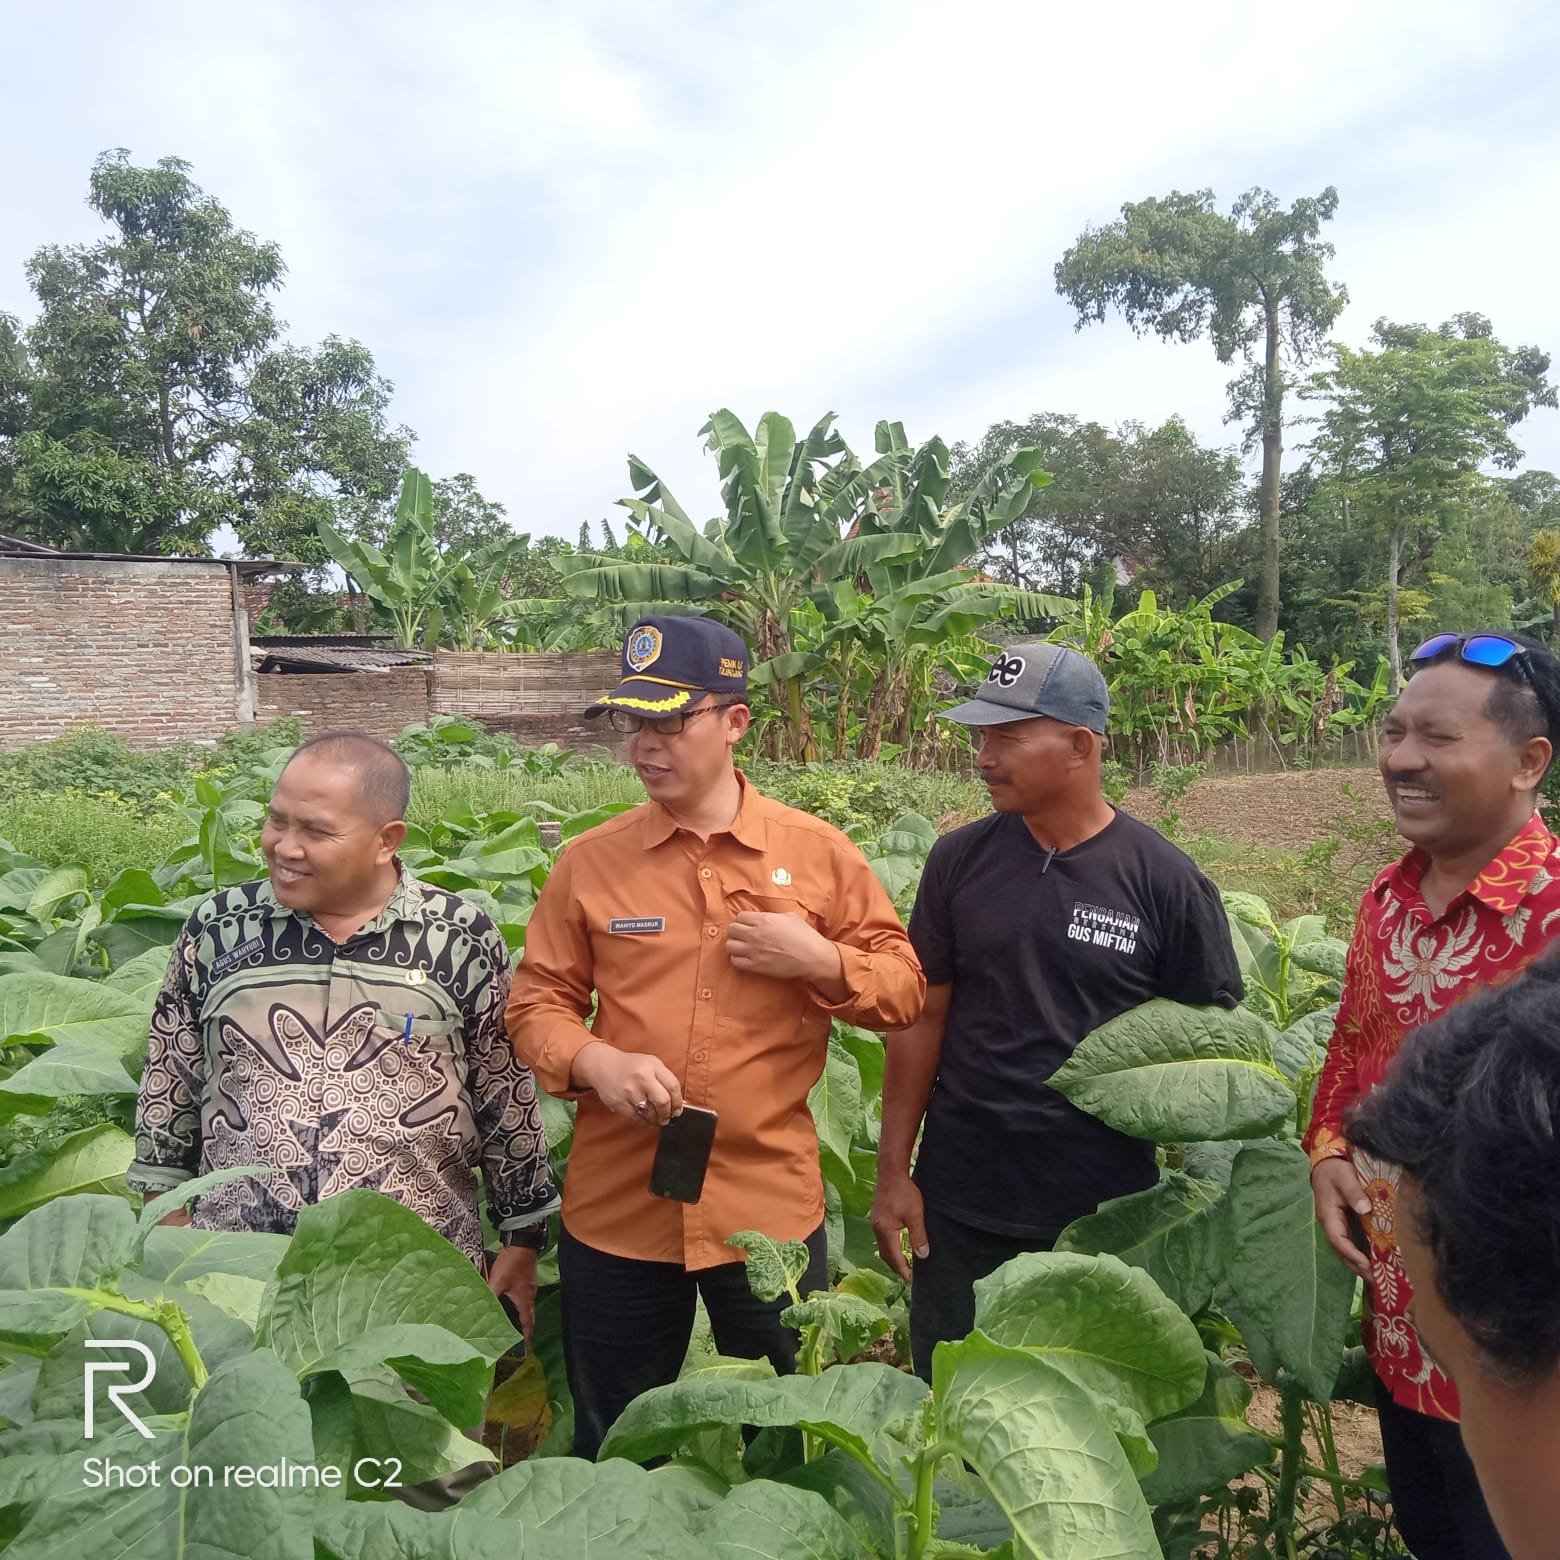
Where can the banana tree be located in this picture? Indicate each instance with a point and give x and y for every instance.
(801, 517)
(917, 606)
(409, 576)
(790, 508)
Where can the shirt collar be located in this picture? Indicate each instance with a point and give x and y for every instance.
(747, 828)
(1502, 885)
(407, 901)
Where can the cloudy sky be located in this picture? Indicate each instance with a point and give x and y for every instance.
(570, 231)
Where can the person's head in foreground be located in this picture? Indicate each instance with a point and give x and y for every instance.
(334, 824)
(1038, 724)
(1471, 1113)
(682, 704)
(1469, 739)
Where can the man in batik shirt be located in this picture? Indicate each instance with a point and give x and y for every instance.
(1474, 901)
(344, 1023)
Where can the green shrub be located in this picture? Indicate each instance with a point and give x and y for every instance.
(98, 833)
(244, 749)
(868, 795)
(95, 763)
(436, 793)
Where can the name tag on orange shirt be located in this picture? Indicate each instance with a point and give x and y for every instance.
(636, 925)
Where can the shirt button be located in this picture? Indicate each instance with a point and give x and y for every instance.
(712, 931)
(704, 872)
(699, 1056)
(705, 993)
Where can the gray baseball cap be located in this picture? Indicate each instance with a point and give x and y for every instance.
(1040, 679)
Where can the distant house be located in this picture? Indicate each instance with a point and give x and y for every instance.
(154, 648)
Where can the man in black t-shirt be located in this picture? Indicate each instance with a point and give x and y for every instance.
(1034, 926)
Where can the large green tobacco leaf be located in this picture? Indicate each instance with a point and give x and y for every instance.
(1288, 1292)
(53, 889)
(71, 1067)
(353, 1531)
(61, 1388)
(848, 1407)
(568, 1498)
(354, 1290)
(1207, 1443)
(1302, 1047)
(60, 1007)
(1103, 1324)
(248, 1414)
(373, 1415)
(1322, 956)
(566, 1509)
(139, 928)
(864, 1501)
(1043, 1450)
(180, 1253)
(835, 1103)
(54, 1260)
(1170, 1230)
(93, 1160)
(1172, 1073)
(140, 977)
(767, 1521)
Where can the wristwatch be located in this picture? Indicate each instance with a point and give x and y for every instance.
(532, 1237)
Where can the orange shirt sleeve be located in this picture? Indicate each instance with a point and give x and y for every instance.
(885, 986)
(1338, 1087)
(552, 994)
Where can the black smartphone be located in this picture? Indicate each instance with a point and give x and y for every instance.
(683, 1155)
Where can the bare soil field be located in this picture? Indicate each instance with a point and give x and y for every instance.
(1285, 811)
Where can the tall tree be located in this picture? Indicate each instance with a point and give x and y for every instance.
(463, 518)
(1408, 425)
(1151, 500)
(1253, 280)
(161, 401)
(1055, 545)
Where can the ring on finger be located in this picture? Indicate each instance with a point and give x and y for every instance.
(641, 1107)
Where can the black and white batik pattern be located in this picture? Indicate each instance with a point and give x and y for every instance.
(382, 1062)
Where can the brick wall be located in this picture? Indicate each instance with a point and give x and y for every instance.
(378, 703)
(535, 697)
(143, 649)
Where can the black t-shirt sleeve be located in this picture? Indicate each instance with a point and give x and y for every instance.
(931, 926)
(1199, 964)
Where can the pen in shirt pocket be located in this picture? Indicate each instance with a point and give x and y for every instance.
(406, 1034)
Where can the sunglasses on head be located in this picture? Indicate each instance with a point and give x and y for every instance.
(1488, 650)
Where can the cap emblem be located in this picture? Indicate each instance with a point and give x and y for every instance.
(1006, 670)
(643, 648)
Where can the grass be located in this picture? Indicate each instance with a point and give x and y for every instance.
(79, 830)
(435, 792)
(1319, 881)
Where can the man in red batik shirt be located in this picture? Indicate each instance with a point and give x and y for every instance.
(1475, 901)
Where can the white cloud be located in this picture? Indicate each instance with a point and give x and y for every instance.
(571, 232)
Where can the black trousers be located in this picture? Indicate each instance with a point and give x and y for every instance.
(942, 1287)
(626, 1325)
(1436, 1499)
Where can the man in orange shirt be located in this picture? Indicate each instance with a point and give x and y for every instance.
(719, 932)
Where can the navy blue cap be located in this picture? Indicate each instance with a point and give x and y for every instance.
(1042, 679)
(670, 663)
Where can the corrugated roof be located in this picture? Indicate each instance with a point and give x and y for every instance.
(14, 546)
(299, 655)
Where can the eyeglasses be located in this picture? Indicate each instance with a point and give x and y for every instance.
(663, 725)
(1488, 650)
